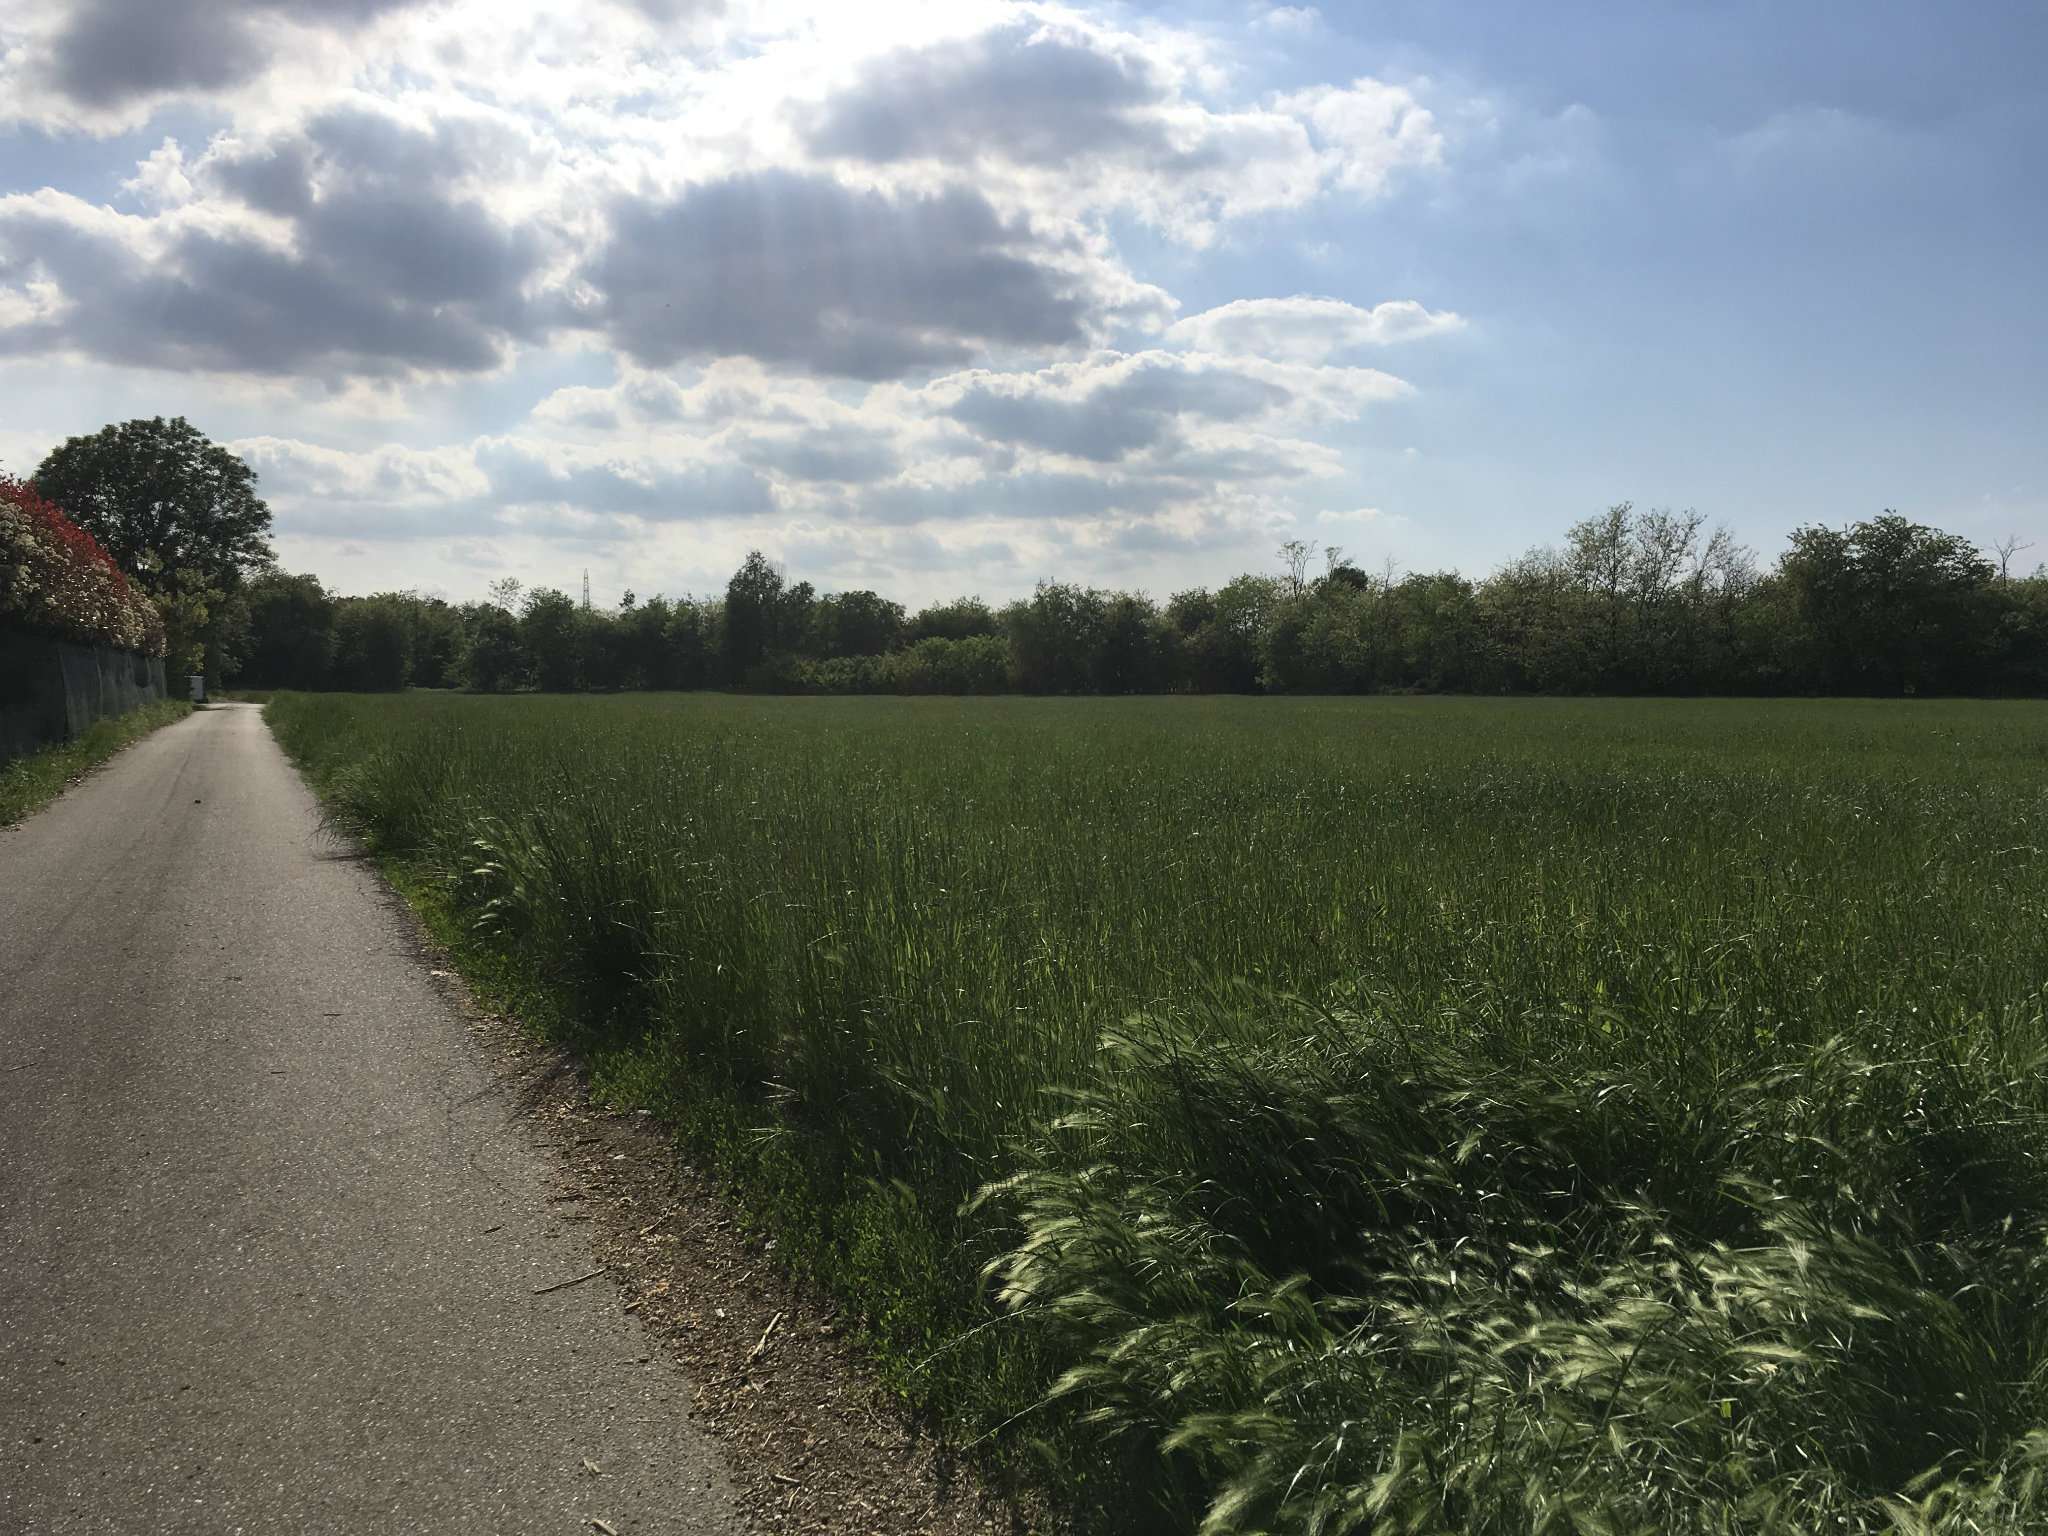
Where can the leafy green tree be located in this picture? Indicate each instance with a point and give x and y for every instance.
(690, 646)
(961, 619)
(1440, 636)
(1128, 657)
(794, 631)
(551, 632)
(859, 623)
(437, 640)
(753, 604)
(1056, 638)
(1891, 606)
(1221, 633)
(177, 511)
(372, 643)
(287, 631)
(601, 643)
(935, 664)
(1536, 612)
(2022, 634)
(643, 642)
(493, 658)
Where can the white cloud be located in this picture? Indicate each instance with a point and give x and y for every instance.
(858, 273)
(1294, 19)
(1367, 131)
(799, 270)
(1066, 113)
(1307, 329)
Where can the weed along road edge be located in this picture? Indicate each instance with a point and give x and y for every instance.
(274, 1255)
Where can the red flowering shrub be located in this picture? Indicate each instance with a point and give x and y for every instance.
(56, 580)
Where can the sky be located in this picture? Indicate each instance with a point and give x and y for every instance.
(952, 298)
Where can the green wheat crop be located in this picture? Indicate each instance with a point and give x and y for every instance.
(1329, 1116)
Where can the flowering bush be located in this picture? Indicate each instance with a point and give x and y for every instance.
(55, 579)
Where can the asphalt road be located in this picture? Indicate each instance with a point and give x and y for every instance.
(269, 1237)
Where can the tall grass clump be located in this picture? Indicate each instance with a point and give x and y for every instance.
(1348, 1276)
(1326, 1116)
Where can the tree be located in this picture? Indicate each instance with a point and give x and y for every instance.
(372, 643)
(753, 599)
(962, 619)
(1056, 638)
(643, 642)
(178, 512)
(1295, 556)
(796, 618)
(1599, 553)
(1128, 656)
(2006, 548)
(690, 643)
(1890, 606)
(552, 634)
(1221, 633)
(437, 640)
(288, 625)
(859, 623)
(493, 659)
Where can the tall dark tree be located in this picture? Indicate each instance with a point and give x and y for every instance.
(437, 641)
(1056, 638)
(493, 658)
(754, 614)
(961, 619)
(1892, 606)
(176, 510)
(643, 642)
(1220, 633)
(373, 639)
(859, 623)
(288, 641)
(1127, 658)
(552, 629)
(690, 646)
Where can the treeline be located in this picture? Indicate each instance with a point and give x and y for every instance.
(1632, 602)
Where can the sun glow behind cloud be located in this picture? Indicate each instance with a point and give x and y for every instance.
(854, 273)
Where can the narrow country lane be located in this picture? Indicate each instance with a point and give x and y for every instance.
(270, 1244)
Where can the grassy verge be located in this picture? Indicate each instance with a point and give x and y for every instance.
(29, 783)
(1324, 1116)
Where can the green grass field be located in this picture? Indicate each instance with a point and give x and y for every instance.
(1325, 1115)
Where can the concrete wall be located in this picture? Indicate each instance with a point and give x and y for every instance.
(51, 690)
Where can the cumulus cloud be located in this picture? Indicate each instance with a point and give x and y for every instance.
(440, 293)
(521, 475)
(1306, 329)
(107, 53)
(846, 454)
(341, 250)
(799, 270)
(1113, 412)
(1113, 121)
(1024, 92)
(1367, 131)
(864, 274)
(1292, 18)
(1111, 406)
(719, 394)
(887, 553)
(388, 473)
